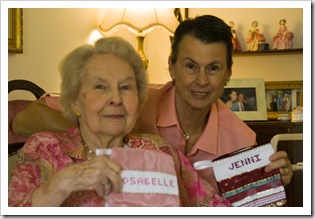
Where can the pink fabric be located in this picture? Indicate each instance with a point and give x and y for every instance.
(14, 107)
(157, 177)
(224, 132)
(46, 153)
(52, 100)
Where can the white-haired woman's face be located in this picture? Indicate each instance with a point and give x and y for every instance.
(108, 96)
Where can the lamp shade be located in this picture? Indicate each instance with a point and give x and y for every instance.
(139, 20)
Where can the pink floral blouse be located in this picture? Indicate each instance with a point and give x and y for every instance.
(45, 153)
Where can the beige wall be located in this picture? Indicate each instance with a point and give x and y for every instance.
(49, 34)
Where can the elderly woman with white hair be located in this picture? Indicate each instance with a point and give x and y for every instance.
(103, 88)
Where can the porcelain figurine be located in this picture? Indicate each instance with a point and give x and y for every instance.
(283, 39)
(236, 44)
(254, 37)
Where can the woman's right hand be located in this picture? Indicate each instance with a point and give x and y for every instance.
(94, 174)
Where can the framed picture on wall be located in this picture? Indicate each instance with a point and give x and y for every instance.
(15, 30)
(246, 98)
(282, 97)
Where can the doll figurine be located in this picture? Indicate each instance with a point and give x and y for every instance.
(283, 39)
(236, 45)
(254, 37)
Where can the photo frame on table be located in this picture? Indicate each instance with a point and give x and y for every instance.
(279, 92)
(253, 90)
(15, 30)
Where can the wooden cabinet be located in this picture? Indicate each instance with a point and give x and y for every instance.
(265, 131)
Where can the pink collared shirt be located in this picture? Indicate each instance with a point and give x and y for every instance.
(224, 132)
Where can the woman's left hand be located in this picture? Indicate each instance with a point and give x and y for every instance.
(280, 160)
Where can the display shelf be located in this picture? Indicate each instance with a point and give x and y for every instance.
(269, 52)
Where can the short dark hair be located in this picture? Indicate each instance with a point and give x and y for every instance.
(206, 28)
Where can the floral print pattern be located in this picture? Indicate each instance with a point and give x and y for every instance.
(45, 153)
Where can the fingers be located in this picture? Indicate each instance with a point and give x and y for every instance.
(104, 188)
(100, 190)
(110, 178)
(286, 177)
(108, 187)
(278, 155)
(286, 174)
(99, 173)
(107, 184)
(279, 160)
(115, 180)
(284, 171)
(112, 175)
(111, 183)
(114, 166)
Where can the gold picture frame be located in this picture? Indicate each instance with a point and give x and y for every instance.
(278, 90)
(15, 30)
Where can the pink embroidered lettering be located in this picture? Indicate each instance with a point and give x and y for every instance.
(148, 181)
(165, 183)
(159, 182)
(140, 181)
(125, 180)
(154, 181)
(133, 180)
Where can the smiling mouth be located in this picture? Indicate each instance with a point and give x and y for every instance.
(114, 116)
(200, 93)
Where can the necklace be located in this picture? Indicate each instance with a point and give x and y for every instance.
(89, 152)
(186, 136)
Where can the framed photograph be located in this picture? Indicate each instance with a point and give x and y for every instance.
(282, 97)
(15, 31)
(246, 98)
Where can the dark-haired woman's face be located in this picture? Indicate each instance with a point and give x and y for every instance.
(200, 73)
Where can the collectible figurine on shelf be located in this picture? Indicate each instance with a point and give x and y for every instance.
(236, 44)
(254, 37)
(283, 39)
